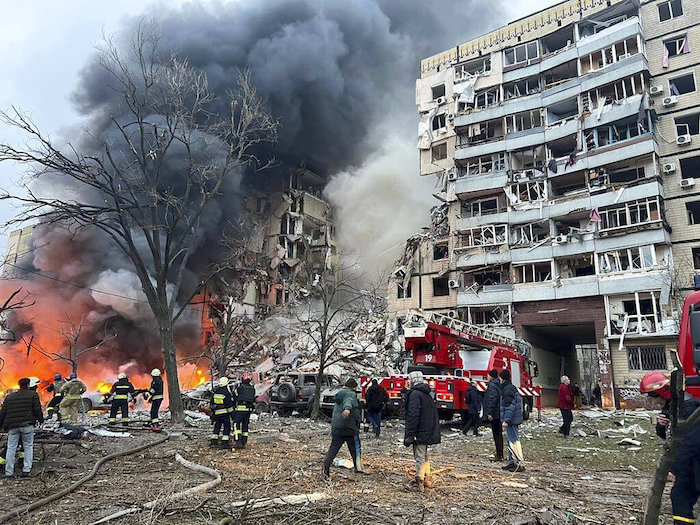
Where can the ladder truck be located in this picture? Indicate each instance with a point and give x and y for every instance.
(449, 351)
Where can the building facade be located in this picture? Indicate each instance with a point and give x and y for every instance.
(563, 143)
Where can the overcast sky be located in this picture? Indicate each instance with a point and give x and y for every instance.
(43, 44)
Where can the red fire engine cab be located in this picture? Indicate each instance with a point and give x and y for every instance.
(448, 351)
(689, 343)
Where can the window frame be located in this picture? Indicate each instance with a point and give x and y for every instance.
(642, 364)
(438, 147)
(668, 5)
(680, 44)
(681, 75)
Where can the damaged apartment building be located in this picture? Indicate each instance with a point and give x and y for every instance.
(565, 148)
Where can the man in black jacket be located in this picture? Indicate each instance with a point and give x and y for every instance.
(375, 399)
(492, 411)
(473, 410)
(244, 401)
(156, 398)
(121, 390)
(18, 415)
(422, 422)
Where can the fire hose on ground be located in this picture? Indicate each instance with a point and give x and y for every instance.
(53, 497)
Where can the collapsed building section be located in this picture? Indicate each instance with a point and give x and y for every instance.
(557, 166)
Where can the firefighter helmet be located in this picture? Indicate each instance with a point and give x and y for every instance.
(34, 382)
(73, 376)
(155, 372)
(57, 377)
(247, 377)
(656, 383)
(223, 381)
(121, 376)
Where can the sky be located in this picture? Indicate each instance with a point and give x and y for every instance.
(43, 46)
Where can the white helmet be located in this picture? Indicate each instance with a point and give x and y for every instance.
(34, 382)
(223, 381)
(121, 376)
(155, 372)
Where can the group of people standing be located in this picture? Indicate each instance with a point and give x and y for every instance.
(503, 409)
(232, 404)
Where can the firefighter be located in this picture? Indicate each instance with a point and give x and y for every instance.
(156, 397)
(686, 466)
(221, 410)
(120, 400)
(244, 396)
(55, 387)
(71, 393)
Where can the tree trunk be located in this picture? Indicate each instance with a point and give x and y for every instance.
(177, 411)
(316, 407)
(74, 365)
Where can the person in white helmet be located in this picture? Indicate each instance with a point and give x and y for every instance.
(221, 410)
(120, 400)
(155, 393)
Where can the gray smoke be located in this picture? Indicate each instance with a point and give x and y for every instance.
(340, 76)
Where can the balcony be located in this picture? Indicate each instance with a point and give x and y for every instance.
(481, 182)
(609, 36)
(468, 151)
(620, 151)
(632, 281)
(614, 112)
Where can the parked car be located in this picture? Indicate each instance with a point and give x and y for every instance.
(95, 401)
(328, 398)
(295, 391)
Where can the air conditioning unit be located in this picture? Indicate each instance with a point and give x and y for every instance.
(451, 174)
(561, 239)
(440, 100)
(452, 314)
(453, 283)
(670, 101)
(683, 139)
(450, 117)
(687, 183)
(656, 90)
(669, 167)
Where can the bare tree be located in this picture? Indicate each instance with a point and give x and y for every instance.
(15, 301)
(72, 333)
(125, 187)
(335, 304)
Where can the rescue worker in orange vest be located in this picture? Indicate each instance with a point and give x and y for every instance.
(120, 400)
(245, 402)
(685, 471)
(221, 410)
(55, 387)
(156, 397)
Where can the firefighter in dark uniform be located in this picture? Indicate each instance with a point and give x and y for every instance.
(55, 387)
(245, 402)
(155, 393)
(221, 409)
(686, 466)
(120, 400)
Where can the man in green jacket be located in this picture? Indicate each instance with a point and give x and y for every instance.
(345, 427)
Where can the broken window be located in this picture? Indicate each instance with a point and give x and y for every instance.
(439, 151)
(617, 91)
(486, 98)
(488, 235)
(669, 10)
(533, 272)
(687, 125)
(521, 54)
(646, 358)
(676, 46)
(497, 315)
(627, 259)
(439, 122)
(486, 164)
(639, 312)
(528, 234)
(609, 55)
(682, 84)
(438, 91)
(569, 184)
(559, 74)
(403, 293)
(611, 134)
(523, 121)
(690, 167)
(562, 148)
(482, 132)
(529, 191)
(696, 258)
(440, 251)
(478, 66)
(528, 86)
(629, 214)
(558, 40)
(486, 276)
(562, 111)
(441, 287)
(480, 207)
(626, 175)
(527, 159)
(693, 209)
(577, 266)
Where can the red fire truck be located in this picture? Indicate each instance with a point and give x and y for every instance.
(448, 351)
(689, 343)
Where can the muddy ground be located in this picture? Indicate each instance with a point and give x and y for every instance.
(580, 480)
